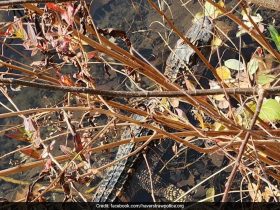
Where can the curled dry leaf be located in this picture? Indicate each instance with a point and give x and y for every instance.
(269, 193)
(254, 192)
(78, 143)
(66, 14)
(66, 150)
(223, 104)
(256, 18)
(66, 80)
(175, 148)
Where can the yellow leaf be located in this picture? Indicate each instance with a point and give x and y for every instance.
(91, 190)
(199, 117)
(212, 11)
(216, 42)
(164, 103)
(78, 40)
(20, 33)
(219, 97)
(223, 72)
(267, 194)
(244, 13)
(239, 120)
(210, 193)
(218, 126)
(198, 16)
(254, 193)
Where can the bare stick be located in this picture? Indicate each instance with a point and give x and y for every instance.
(146, 94)
(150, 175)
(15, 2)
(243, 146)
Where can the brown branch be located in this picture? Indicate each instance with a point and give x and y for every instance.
(243, 146)
(14, 2)
(135, 94)
(150, 176)
(28, 72)
(111, 114)
(149, 71)
(62, 158)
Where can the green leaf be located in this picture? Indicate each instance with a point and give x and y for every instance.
(275, 36)
(234, 64)
(264, 79)
(253, 65)
(270, 110)
(210, 193)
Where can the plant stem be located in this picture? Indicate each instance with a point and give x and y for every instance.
(15, 2)
(243, 146)
(137, 94)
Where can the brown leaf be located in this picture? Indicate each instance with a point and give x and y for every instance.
(66, 80)
(31, 153)
(92, 54)
(78, 143)
(18, 134)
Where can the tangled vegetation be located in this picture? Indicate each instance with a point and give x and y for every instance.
(236, 114)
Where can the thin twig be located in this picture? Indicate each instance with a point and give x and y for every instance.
(28, 166)
(16, 2)
(146, 94)
(151, 179)
(116, 115)
(200, 183)
(243, 146)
